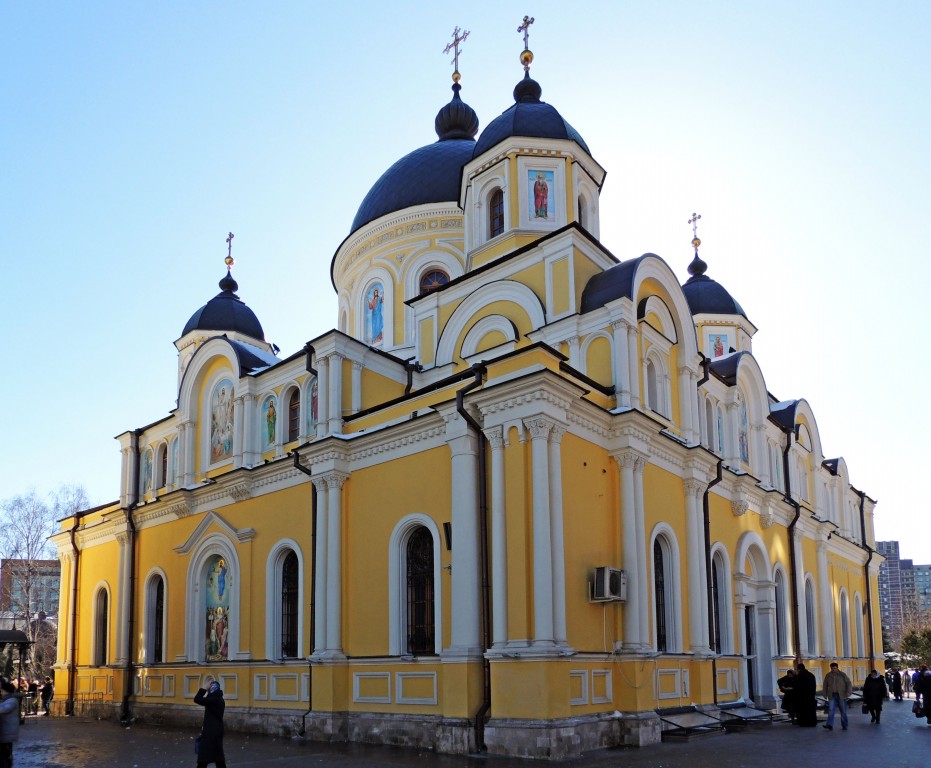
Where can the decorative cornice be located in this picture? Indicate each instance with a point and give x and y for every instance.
(241, 491)
(538, 427)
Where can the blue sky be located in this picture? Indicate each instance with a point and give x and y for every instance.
(134, 136)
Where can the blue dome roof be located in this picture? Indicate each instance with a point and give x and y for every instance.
(226, 312)
(430, 174)
(527, 117)
(706, 296)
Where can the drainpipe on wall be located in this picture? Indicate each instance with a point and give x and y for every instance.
(125, 712)
(411, 366)
(72, 667)
(706, 513)
(479, 370)
(313, 570)
(866, 573)
(793, 555)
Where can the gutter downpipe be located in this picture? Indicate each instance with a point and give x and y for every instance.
(125, 713)
(313, 570)
(866, 574)
(72, 667)
(411, 366)
(706, 520)
(793, 555)
(479, 370)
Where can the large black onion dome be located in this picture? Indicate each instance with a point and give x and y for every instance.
(527, 117)
(430, 174)
(706, 296)
(226, 312)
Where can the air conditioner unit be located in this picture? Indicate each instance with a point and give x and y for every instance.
(609, 584)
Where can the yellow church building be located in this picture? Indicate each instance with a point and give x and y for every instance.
(525, 498)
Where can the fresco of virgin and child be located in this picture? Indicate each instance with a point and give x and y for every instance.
(217, 609)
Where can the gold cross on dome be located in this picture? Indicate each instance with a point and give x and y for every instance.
(694, 222)
(229, 251)
(525, 28)
(454, 45)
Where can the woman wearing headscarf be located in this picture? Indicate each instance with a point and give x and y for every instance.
(210, 749)
(875, 693)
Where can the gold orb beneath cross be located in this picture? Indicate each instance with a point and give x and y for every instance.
(229, 261)
(696, 242)
(526, 57)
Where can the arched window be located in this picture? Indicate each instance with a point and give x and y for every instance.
(717, 607)
(782, 641)
(162, 477)
(496, 213)
(845, 625)
(155, 620)
(582, 212)
(420, 597)
(430, 281)
(290, 571)
(294, 416)
(101, 628)
(810, 618)
(665, 634)
(652, 388)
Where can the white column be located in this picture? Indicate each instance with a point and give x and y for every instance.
(466, 578)
(759, 453)
(621, 364)
(575, 358)
(356, 387)
(187, 457)
(237, 431)
(334, 596)
(558, 568)
(539, 428)
(335, 394)
(123, 598)
(499, 552)
(65, 609)
(323, 400)
(686, 405)
(697, 581)
(802, 614)
(128, 491)
(642, 544)
(828, 647)
(731, 450)
(250, 454)
(631, 551)
(633, 366)
(320, 574)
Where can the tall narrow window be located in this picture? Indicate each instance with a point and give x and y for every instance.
(158, 623)
(496, 213)
(715, 605)
(289, 597)
(810, 618)
(420, 597)
(659, 588)
(294, 416)
(162, 467)
(101, 629)
(781, 635)
(582, 211)
(652, 388)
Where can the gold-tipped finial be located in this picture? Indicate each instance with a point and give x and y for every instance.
(694, 222)
(229, 252)
(459, 36)
(526, 56)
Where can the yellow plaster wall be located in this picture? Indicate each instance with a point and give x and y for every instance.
(598, 362)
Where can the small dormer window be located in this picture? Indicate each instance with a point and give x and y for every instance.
(432, 280)
(496, 213)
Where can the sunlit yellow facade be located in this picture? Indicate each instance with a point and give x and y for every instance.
(524, 498)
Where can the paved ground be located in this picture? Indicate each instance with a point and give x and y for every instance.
(901, 740)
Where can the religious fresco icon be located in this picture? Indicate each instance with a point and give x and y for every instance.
(718, 345)
(221, 421)
(374, 314)
(314, 405)
(541, 185)
(270, 413)
(217, 609)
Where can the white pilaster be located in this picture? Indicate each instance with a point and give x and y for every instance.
(250, 441)
(632, 549)
(335, 395)
(238, 441)
(621, 360)
(320, 576)
(827, 606)
(642, 544)
(633, 366)
(323, 399)
(356, 386)
(334, 597)
(499, 562)
(539, 428)
(558, 568)
(123, 597)
(697, 579)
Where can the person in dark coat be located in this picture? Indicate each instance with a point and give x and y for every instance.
(211, 734)
(806, 708)
(786, 685)
(874, 694)
(897, 684)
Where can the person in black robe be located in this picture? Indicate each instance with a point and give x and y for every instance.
(210, 749)
(806, 708)
(786, 685)
(897, 685)
(874, 694)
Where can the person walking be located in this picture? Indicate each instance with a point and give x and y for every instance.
(874, 694)
(897, 684)
(210, 742)
(837, 689)
(806, 709)
(906, 682)
(48, 691)
(9, 721)
(786, 685)
(921, 685)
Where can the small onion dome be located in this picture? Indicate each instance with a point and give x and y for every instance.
(706, 296)
(528, 117)
(226, 312)
(429, 174)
